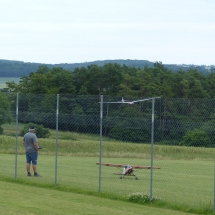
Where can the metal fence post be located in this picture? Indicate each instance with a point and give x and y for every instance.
(100, 151)
(152, 147)
(16, 154)
(214, 185)
(56, 156)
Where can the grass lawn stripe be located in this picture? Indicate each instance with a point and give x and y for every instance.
(178, 182)
(16, 199)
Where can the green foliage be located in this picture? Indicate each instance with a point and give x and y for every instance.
(209, 128)
(41, 132)
(5, 115)
(129, 134)
(37, 100)
(140, 197)
(116, 79)
(196, 137)
(9, 68)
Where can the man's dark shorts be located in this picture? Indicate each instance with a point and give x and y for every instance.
(31, 157)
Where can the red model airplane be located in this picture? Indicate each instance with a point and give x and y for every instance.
(128, 170)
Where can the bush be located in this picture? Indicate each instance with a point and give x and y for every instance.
(196, 137)
(41, 132)
(209, 128)
(140, 197)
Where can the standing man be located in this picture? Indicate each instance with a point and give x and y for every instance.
(30, 143)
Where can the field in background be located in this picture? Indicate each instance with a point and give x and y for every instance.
(72, 143)
(3, 81)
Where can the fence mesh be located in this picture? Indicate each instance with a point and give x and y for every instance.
(184, 136)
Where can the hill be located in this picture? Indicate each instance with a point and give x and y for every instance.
(10, 68)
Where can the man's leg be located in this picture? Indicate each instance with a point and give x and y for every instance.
(34, 168)
(28, 163)
(28, 167)
(34, 164)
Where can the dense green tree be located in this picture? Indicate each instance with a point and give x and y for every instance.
(95, 82)
(114, 79)
(5, 113)
(197, 91)
(80, 76)
(126, 88)
(211, 82)
(144, 84)
(184, 88)
(184, 103)
(45, 81)
(18, 68)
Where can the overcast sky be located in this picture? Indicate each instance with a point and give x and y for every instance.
(75, 31)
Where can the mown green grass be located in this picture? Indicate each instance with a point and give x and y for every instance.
(185, 180)
(173, 183)
(25, 200)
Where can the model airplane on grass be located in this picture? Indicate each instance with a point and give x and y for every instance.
(128, 170)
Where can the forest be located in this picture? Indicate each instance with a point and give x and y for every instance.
(9, 68)
(184, 114)
(116, 80)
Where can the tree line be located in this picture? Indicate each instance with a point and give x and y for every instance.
(9, 68)
(117, 80)
(184, 115)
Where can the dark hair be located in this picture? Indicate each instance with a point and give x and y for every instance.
(32, 127)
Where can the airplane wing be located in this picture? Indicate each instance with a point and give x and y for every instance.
(145, 167)
(141, 100)
(130, 102)
(118, 102)
(134, 167)
(121, 102)
(110, 164)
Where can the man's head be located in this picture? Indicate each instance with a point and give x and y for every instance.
(32, 129)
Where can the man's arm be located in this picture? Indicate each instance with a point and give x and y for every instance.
(36, 146)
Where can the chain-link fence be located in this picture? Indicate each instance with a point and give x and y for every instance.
(176, 136)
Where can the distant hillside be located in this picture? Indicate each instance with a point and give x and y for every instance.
(10, 68)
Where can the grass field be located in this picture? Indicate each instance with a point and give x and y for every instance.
(3, 81)
(174, 185)
(185, 180)
(20, 199)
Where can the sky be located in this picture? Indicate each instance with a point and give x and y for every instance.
(76, 31)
